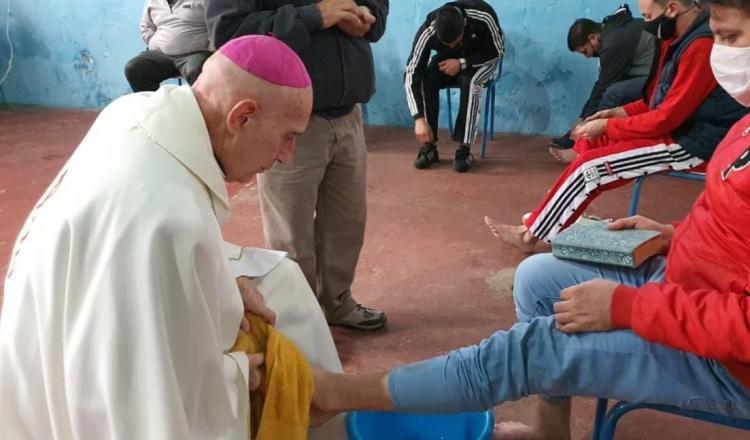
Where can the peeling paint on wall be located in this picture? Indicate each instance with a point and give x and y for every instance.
(74, 55)
(63, 57)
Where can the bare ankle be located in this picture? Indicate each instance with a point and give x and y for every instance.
(529, 238)
(553, 420)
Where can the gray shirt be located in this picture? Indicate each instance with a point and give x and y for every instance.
(174, 30)
(643, 56)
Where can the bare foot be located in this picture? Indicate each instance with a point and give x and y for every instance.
(563, 156)
(514, 431)
(517, 236)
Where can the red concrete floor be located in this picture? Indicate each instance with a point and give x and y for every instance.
(428, 260)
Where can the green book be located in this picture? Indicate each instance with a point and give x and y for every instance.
(591, 240)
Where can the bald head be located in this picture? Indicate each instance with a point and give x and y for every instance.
(256, 98)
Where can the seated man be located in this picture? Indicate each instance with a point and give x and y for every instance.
(468, 40)
(120, 302)
(625, 52)
(177, 38)
(674, 331)
(677, 127)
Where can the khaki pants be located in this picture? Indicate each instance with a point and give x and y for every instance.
(314, 207)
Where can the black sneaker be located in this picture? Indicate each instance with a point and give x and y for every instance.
(463, 160)
(563, 142)
(427, 156)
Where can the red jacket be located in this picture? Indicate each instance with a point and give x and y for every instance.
(692, 85)
(703, 304)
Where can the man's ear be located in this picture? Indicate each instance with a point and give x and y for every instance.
(240, 114)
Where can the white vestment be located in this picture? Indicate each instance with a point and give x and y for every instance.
(120, 304)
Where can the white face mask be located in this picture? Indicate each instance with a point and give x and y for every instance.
(731, 67)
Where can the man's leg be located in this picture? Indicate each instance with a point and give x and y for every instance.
(289, 192)
(472, 82)
(535, 358)
(622, 92)
(597, 170)
(540, 278)
(148, 69)
(191, 65)
(434, 80)
(340, 218)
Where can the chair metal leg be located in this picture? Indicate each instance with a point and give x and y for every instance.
(621, 408)
(601, 415)
(635, 197)
(492, 113)
(450, 111)
(607, 430)
(486, 123)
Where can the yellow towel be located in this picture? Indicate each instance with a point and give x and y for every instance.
(280, 409)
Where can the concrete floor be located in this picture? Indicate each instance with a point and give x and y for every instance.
(428, 259)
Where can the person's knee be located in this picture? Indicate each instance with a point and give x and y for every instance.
(192, 74)
(432, 80)
(528, 283)
(134, 68)
(194, 69)
(611, 98)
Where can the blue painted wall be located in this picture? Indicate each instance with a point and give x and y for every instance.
(72, 55)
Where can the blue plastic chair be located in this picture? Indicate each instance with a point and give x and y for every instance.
(606, 422)
(368, 425)
(489, 109)
(636, 195)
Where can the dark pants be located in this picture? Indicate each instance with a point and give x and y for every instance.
(149, 68)
(622, 92)
(471, 82)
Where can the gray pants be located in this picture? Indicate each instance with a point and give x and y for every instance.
(314, 207)
(149, 68)
(622, 92)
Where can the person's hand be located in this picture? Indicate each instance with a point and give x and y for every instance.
(586, 307)
(332, 12)
(640, 222)
(422, 131)
(256, 374)
(450, 67)
(617, 112)
(359, 27)
(254, 303)
(590, 130)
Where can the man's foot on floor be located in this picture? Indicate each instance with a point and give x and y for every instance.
(463, 159)
(362, 318)
(563, 142)
(514, 431)
(563, 156)
(517, 236)
(426, 156)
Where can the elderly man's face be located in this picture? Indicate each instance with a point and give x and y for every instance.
(731, 26)
(268, 136)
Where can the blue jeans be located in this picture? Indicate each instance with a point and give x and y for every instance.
(533, 357)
